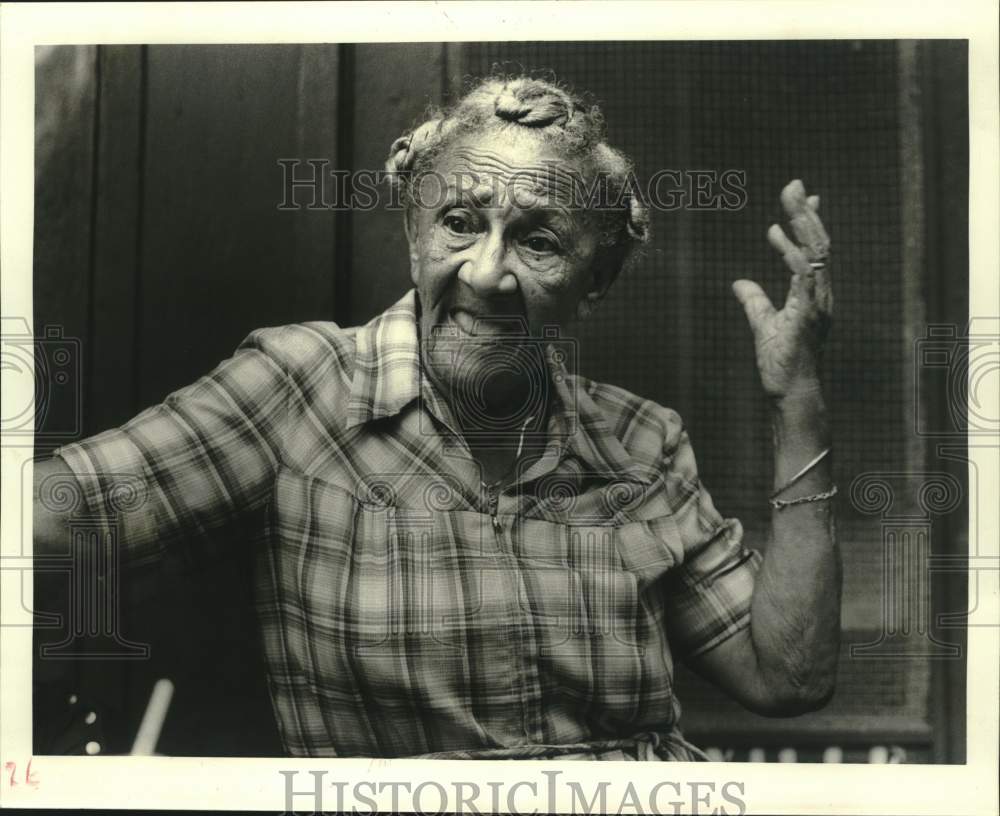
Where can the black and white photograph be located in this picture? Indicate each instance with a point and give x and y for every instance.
(496, 397)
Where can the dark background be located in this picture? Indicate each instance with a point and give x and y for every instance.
(159, 245)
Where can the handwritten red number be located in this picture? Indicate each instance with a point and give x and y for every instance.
(29, 777)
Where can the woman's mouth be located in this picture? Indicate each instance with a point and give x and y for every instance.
(466, 322)
(488, 326)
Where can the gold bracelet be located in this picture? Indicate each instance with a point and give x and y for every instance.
(780, 504)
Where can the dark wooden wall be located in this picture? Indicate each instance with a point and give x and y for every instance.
(159, 243)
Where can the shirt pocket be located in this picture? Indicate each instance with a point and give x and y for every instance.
(588, 582)
(649, 548)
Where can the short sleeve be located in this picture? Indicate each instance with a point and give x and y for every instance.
(709, 592)
(205, 455)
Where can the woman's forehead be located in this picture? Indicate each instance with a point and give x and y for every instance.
(487, 164)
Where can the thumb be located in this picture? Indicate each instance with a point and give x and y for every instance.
(755, 302)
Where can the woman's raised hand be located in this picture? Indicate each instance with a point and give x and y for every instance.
(789, 342)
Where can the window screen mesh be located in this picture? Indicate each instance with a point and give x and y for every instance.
(671, 330)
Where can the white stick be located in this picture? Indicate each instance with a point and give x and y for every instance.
(152, 719)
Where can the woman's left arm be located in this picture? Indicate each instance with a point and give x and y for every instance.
(785, 662)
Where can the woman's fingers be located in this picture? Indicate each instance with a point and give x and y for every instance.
(794, 258)
(810, 297)
(803, 284)
(814, 247)
(806, 225)
(756, 304)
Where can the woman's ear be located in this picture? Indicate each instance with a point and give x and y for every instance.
(410, 228)
(605, 268)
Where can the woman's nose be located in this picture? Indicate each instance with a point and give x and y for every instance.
(487, 270)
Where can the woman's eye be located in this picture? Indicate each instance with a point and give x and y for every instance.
(540, 244)
(457, 223)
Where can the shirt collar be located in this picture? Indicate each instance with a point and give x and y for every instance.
(586, 431)
(386, 364)
(387, 377)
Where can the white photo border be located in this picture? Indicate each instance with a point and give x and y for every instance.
(255, 784)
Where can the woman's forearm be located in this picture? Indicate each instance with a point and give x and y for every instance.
(50, 532)
(795, 617)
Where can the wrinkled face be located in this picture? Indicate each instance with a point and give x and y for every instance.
(497, 255)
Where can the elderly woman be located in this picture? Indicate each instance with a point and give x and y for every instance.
(464, 549)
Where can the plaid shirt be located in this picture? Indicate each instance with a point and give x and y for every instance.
(404, 610)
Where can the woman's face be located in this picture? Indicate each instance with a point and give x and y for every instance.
(497, 252)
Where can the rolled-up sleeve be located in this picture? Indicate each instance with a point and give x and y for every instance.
(205, 455)
(709, 591)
